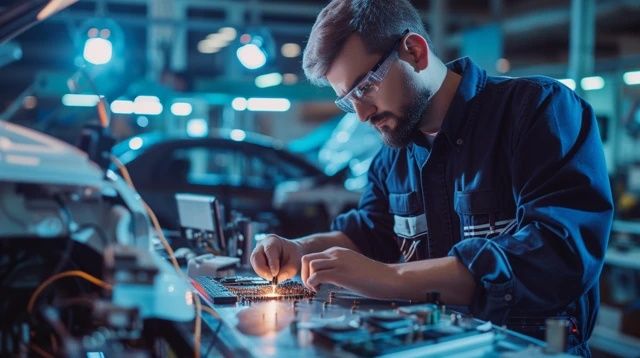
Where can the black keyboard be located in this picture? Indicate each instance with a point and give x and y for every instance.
(214, 291)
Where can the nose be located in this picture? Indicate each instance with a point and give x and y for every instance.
(364, 110)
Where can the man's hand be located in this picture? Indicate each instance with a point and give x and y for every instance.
(351, 270)
(276, 256)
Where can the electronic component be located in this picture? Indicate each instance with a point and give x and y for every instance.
(201, 221)
(214, 291)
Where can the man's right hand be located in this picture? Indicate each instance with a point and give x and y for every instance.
(276, 256)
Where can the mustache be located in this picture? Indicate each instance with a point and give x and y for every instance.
(377, 118)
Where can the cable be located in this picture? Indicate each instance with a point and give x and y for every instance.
(156, 225)
(152, 215)
(73, 273)
(40, 351)
(198, 330)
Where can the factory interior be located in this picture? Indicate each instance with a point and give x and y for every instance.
(288, 178)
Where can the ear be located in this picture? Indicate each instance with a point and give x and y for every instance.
(415, 50)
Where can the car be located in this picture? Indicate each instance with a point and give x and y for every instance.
(242, 170)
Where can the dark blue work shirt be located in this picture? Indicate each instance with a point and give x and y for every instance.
(515, 186)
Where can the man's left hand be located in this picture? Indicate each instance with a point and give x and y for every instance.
(348, 269)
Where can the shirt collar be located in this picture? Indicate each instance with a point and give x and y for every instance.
(471, 85)
(460, 110)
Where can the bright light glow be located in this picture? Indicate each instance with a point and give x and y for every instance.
(268, 104)
(135, 143)
(147, 105)
(228, 33)
(80, 100)
(631, 78)
(342, 136)
(290, 50)
(290, 78)
(239, 103)
(204, 46)
(568, 82)
(197, 127)
(181, 109)
(122, 106)
(251, 56)
(97, 51)
(216, 40)
(268, 80)
(238, 135)
(142, 121)
(592, 83)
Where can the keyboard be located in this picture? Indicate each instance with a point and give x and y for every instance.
(214, 291)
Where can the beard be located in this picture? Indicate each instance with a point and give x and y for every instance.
(408, 122)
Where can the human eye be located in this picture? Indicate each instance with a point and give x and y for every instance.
(364, 89)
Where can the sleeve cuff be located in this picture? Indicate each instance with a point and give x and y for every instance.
(495, 282)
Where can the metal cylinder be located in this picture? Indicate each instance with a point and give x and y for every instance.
(556, 335)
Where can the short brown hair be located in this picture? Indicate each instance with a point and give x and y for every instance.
(378, 22)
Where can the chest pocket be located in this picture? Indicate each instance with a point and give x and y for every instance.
(409, 219)
(482, 214)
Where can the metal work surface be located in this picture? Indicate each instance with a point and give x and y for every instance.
(336, 322)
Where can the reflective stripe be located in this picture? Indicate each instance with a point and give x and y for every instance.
(482, 226)
(484, 232)
(410, 226)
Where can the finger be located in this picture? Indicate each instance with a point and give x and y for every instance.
(304, 264)
(321, 264)
(259, 263)
(272, 252)
(320, 277)
(286, 273)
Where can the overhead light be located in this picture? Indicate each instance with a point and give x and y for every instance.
(289, 78)
(29, 102)
(290, 50)
(142, 121)
(568, 82)
(135, 143)
(503, 65)
(217, 40)
(206, 47)
(228, 33)
(80, 100)
(197, 127)
(238, 135)
(98, 51)
(268, 104)
(181, 108)
(239, 104)
(122, 106)
(592, 83)
(251, 56)
(147, 105)
(268, 80)
(631, 78)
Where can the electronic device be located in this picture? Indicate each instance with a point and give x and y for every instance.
(201, 222)
(64, 223)
(289, 320)
(210, 264)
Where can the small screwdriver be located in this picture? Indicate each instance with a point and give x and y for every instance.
(274, 283)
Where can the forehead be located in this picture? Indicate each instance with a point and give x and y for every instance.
(352, 62)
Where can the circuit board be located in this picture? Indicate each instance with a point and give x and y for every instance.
(258, 289)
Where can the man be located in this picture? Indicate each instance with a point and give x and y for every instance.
(492, 191)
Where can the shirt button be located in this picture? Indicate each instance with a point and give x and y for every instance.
(508, 297)
(459, 141)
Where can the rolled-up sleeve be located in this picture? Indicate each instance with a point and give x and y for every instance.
(370, 226)
(564, 212)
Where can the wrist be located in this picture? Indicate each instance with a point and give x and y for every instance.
(395, 282)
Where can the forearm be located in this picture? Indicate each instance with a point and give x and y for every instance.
(446, 275)
(322, 241)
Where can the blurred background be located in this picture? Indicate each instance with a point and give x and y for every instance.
(208, 96)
